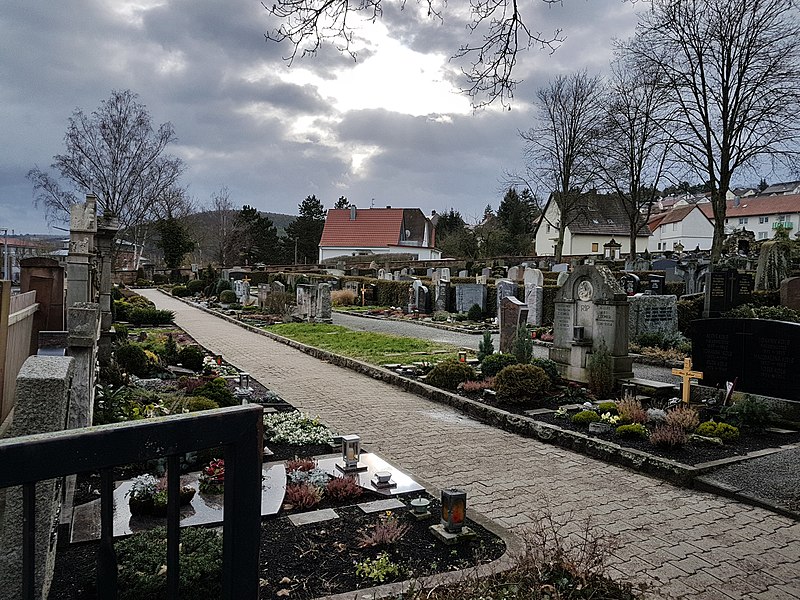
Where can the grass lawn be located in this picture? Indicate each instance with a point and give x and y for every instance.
(375, 348)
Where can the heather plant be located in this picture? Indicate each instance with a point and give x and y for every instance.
(300, 464)
(343, 297)
(631, 410)
(343, 488)
(302, 495)
(668, 437)
(386, 532)
(683, 417)
(478, 386)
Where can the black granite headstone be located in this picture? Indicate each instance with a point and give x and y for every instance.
(630, 283)
(760, 354)
(655, 284)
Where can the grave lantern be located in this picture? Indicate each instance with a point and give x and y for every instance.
(218, 359)
(578, 333)
(244, 380)
(351, 446)
(462, 356)
(454, 510)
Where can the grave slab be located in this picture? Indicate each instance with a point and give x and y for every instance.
(204, 509)
(314, 516)
(381, 505)
(373, 464)
(539, 411)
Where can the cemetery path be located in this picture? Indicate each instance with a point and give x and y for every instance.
(466, 340)
(683, 543)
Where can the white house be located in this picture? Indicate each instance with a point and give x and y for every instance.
(364, 231)
(762, 215)
(684, 225)
(598, 219)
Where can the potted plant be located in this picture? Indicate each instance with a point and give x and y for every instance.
(148, 496)
(212, 479)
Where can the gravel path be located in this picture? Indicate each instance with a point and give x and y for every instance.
(465, 340)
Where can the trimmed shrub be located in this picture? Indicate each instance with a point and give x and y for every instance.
(132, 359)
(632, 431)
(475, 313)
(601, 372)
(750, 414)
(585, 417)
(150, 316)
(222, 285)
(160, 278)
(727, 433)
(195, 403)
(608, 407)
(121, 310)
(449, 373)
(228, 297)
(195, 286)
(689, 308)
(494, 363)
(217, 390)
(772, 313)
(121, 331)
(548, 366)
(180, 291)
(142, 555)
(520, 383)
(191, 357)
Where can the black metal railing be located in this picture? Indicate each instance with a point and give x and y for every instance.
(238, 429)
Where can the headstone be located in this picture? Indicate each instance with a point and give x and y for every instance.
(534, 295)
(562, 278)
(514, 273)
(655, 284)
(324, 302)
(668, 266)
(652, 314)
(560, 268)
(505, 288)
(726, 290)
(436, 277)
(469, 294)
(442, 296)
(790, 293)
(381, 273)
(593, 301)
(481, 280)
(760, 354)
(264, 291)
(445, 274)
(513, 313)
(279, 287)
(463, 273)
(487, 273)
(774, 264)
(638, 264)
(396, 276)
(304, 297)
(404, 271)
(429, 272)
(630, 283)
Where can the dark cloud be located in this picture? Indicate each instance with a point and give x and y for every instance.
(205, 66)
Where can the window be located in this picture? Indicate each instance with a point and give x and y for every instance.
(595, 247)
(742, 220)
(674, 227)
(659, 245)
(726, 221)
(763, 219)
(781, 218)
(762, 235)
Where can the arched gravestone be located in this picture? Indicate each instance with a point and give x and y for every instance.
(591, 311)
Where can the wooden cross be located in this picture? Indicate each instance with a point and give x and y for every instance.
(687, 375)
(363, 296)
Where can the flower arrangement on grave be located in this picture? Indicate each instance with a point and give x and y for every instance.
(212, 479)
(148, 496)
(210, 367)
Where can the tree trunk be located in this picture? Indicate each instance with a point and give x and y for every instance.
(633, 238)
(560, 242)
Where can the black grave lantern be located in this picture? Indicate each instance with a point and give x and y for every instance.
(454, 510)
(578, 333)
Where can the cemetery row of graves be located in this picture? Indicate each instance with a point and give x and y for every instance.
(335, 517)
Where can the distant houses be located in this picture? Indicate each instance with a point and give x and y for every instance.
(685, 226)
(761, 214)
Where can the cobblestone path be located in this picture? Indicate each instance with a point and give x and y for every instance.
(683, 543)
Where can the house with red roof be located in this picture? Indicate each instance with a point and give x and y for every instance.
(364, 231)
(687, 226)
(762, 214)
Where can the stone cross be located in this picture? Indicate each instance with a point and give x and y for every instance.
(687, 375)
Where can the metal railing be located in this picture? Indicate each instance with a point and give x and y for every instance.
(238, 429)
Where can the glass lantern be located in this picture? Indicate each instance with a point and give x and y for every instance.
(244, 381)
(351, 447)
(454, 510)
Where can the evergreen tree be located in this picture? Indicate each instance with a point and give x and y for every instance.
(256, 237)
(516, 214)
(174, 242)
(305, 231)
(342, 202)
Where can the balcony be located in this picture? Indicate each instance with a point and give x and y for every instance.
(782, 225)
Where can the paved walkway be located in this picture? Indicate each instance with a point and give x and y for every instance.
(685, 544)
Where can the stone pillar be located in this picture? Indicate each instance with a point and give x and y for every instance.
(83, 324)
(42, 397)
(106, 231)
(46, 277)
(82, 230)
(324, 302)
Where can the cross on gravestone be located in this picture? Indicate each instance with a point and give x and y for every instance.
(686, 374)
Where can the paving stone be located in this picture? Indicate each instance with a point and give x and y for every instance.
(314, 516)
(381, 505)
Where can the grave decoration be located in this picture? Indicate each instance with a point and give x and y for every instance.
(351, 448)
(686, 374)
(420, 507)
(454, 510)
(383, 480)
(212, 478)
(148, 496)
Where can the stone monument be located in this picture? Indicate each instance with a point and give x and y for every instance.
(591, 312)
(513, 313)
(534, 295)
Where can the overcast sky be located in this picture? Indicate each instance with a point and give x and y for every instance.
(391, 127)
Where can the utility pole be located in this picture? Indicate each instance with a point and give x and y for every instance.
(5, 254)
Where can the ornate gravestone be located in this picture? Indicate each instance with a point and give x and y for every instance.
(505, 288)
(469, 294)
(591, 312)
(442, 295)
(513, 313)
(82, 231)
(534, 295)
(630, 283)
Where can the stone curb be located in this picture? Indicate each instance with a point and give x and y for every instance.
(661, 468)
(430, 324)
(706, 484)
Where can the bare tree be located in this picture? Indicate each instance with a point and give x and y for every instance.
(224, 214)
(631, 151)
(558, 149)
(115, 154)
(731, 67)
(499, 27)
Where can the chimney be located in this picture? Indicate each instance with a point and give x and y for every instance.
(353, 212)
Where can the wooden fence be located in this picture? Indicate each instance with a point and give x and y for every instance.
(16, 325)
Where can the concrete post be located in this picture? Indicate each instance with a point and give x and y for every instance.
(42, 397)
